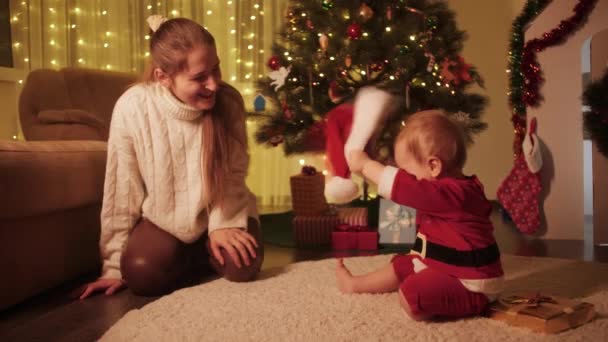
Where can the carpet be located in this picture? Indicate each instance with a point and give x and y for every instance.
(300, 302)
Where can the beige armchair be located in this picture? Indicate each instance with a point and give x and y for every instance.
(51, 191)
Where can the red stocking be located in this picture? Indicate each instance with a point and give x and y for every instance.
(519, 192)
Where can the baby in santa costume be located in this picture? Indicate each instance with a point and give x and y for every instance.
(454, 268)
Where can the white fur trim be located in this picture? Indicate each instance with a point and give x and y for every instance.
(370, 109)
(341, 190)
(532, 154)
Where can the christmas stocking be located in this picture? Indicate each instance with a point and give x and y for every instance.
(519, 192)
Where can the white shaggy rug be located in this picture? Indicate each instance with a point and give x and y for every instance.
(301, 303)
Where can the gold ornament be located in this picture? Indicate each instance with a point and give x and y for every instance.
(365, 12)
(323, 41)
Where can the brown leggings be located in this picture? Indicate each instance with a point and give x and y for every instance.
(155, 263)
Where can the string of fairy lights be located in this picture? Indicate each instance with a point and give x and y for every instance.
(113, 34)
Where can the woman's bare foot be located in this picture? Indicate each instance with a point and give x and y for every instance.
(346, 281)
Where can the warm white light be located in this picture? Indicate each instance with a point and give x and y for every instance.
(80, 41)
(147, 54)
(209, 12)
(52, 42)
(77, 10)
(286, 53)
(108, 66)
(412, 37)
(80, 60)
(233, 78)
(249, 64)
(15, 18)
(332, 58)
(363, 72)
(365, 34)
(249, 47)
(17, 44)
(238, 60)
(392, 77)
(104, 12)
(302, 161)
(108, 33)
(325, 173)
(26, 60)
(261, 12)
(229, 2)
(20, 81)
(233, 31)
(294, 79)
(321, 75)
(146, 37)
(51, 9)
(438, 83)
(256, 6)
(251, 35)
(252, 17)
(232, 18)
(53, 62)
(174, 12)
(262, 51)
(149, 7)
(73, 26)
(105, 45)
(248, 76)
(289, 58)
(388, 29)
(14, 137)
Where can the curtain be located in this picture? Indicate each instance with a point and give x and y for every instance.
(113, 35)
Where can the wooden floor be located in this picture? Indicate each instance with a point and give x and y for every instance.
(56, 316)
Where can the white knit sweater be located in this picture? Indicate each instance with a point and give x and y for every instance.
(154, 170)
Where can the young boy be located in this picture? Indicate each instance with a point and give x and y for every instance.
(454, 268)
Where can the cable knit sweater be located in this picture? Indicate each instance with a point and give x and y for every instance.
(154, 170)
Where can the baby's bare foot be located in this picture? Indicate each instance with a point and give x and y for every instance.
(344, 278)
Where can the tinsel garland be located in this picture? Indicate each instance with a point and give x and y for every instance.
(527, 77)
(596, 119)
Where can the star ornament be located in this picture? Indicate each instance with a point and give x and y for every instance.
(278, 77)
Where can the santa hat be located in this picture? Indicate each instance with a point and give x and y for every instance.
(350, 128)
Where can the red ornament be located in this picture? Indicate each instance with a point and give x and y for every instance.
(456, 71)
(377, 67)
(274, 63)
(354, 31)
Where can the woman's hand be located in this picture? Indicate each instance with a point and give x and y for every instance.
(356, 160)
(236, 242)
(109, 286)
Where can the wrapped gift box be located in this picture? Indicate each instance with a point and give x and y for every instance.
(397, 223)
(314, 230)
(307, 193)
(353, 216)
(542, 313)
(354, 238)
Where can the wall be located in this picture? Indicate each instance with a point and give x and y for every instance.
(9, 89)
(488, 25)
(560, 119)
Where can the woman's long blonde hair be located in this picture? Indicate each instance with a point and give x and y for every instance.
(169, 48)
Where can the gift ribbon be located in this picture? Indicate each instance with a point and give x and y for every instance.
(349, 228)
(519, 303)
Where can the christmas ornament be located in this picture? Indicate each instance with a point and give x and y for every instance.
(287, 112)
(276, 140)
(518, 194)
(278, 77)
(259, 102)
(348, 61)
(354, 31)
(377, 67)
(274, 63)
(389, 13)
(365, 12)
(323, 41)
(431, 63)
(327, 4)
(456, 71)
(310, 25)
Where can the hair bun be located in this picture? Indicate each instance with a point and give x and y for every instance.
(154, 21)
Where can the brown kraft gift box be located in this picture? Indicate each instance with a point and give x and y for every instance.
(314, 230)
(541, 313)
(307, 194)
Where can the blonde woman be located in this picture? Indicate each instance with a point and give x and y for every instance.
(175, 203)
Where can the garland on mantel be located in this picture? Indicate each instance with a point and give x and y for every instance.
(526, 76)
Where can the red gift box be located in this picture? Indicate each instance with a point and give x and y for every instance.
(354, 238)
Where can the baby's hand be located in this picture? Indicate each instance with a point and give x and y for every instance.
(356, 160)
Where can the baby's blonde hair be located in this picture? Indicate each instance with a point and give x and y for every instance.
(432, 133)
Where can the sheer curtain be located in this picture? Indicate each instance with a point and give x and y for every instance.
(113, 35)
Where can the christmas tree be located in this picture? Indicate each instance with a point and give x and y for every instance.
(327, 49)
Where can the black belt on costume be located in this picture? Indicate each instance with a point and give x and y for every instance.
(474, 258)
